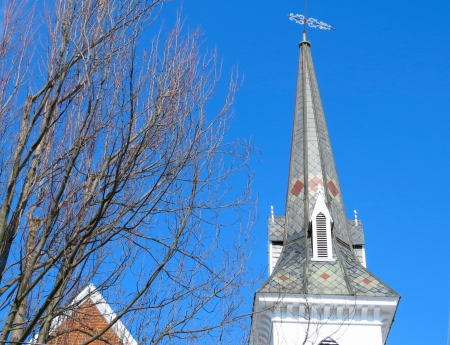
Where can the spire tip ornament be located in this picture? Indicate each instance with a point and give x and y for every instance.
(320, 190)
(311, 22)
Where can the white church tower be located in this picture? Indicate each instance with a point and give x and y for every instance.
(319, 290)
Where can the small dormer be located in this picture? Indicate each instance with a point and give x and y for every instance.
(321, 225)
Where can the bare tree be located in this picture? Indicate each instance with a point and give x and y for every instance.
(114, 172)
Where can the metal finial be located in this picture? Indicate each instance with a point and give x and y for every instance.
(311, 22)
(320, 190)
(356, 217)
(271, 213)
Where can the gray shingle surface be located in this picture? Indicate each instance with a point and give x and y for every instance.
(356, 232)
(311, 164)
(276, 228)
(295, 273)
(312, 161)
(326, 278)
(364, 282)
(288, 273)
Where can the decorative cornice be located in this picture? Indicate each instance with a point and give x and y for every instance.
(316, 310)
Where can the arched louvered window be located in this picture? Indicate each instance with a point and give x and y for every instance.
(328, 341)
(321, 236)
(321, 230)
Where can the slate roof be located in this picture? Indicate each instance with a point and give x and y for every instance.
(296, 273)
(312, 164)
(356, 232)
(276, 228)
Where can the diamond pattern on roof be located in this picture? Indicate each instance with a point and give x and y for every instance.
(295, 208)
(363, 281)
(312, 161)
(333, 285)
(311, 164)
(323, 277)
(314, 183)
(276, 228)
(290, 266)
(332, 188)
(356, 232)
(298, 186)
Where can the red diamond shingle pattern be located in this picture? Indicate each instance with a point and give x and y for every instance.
(314, 183)
(332, 188)
(298, 186)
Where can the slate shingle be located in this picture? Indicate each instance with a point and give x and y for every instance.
(310, 166)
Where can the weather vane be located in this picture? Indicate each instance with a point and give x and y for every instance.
(311, 22)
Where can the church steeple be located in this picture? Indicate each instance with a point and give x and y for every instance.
(317, 258)
(312, 169)
(312, 163)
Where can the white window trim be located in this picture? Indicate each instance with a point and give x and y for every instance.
(270, 257)
(321, 207)
(364, 256)
(272, 261)
(332, 259)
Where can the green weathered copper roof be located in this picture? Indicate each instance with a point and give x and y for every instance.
(312, 164)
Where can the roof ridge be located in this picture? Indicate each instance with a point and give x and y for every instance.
(91, 293)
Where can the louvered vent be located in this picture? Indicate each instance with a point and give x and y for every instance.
(277, 247)
(321, 235)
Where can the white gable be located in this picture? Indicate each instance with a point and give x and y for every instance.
(91, 293)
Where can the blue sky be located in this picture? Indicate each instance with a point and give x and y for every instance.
(384, 78)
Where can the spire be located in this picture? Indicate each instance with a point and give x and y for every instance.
(312, 163)
(318, 261)
(321, 261)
